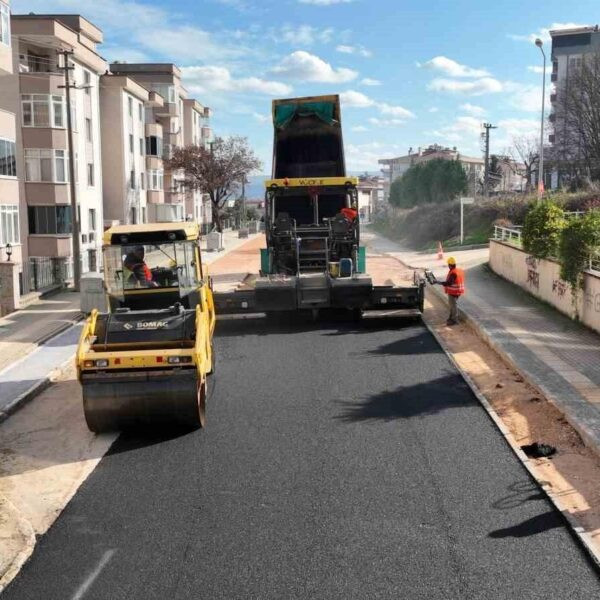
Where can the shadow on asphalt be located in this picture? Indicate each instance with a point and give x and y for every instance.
(429, 398)
(146, 436)
(520, 493)
(259, 324)
(419, 343)
(533, 526)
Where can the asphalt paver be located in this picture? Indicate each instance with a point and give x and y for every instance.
(341, 461)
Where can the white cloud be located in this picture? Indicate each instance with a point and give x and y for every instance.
(303, 66)
(433, 109)
(478, 87)
(204, 79)
(369, 81)
(122, 53)
(261, 118)
(518, 127)
(354, 99)
(527, 98)
(451, 68)
(544, 32)
(302, 35)
(396, 111)
(463, 128)
(364, 157)
(386, 122)
(359, 128)
(472, 109)
(536, 69)
(325, 2)
(360, 50)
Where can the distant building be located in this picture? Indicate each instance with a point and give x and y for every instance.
(370, 196)
(569, 46)
(395, 167)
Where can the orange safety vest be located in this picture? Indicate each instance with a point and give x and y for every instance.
(458, 287)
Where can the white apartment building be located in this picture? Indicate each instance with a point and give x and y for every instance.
(124, 139)
(43, 157)
(569, 46)
(197, 132)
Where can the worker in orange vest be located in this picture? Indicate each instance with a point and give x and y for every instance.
(454, 286)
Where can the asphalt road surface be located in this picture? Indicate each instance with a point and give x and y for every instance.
(341, 461)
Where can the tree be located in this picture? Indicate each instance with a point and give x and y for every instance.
(542, 229)
(525, 154)
(576, 119)
(217, 171)
(435, 181)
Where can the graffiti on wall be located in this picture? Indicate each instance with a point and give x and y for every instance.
(533, 276)
(592, 301)
(559, 287)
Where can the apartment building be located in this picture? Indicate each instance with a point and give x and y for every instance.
(197, 132)
(370, 196)
(128, 170)
(10, 233)
(569, 47)
(43, 158)
(393, 168)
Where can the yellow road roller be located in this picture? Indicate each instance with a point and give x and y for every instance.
(146, 361)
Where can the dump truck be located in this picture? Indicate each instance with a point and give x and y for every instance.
(313, 258)
(146, 360)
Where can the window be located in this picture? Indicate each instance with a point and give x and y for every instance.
(154, 145)
(155, 179)
(132, 179)
(9, 224)
(90, 174)
(92, 219)
(141, 112)
(142, 146)
(43, 110)
(143, 214)
(88, 129)
(131, 143)
(4, 24)
(87, 81)
(165, 90)
(49, 219)
(130, 105)
(142, 177)
(46, 165)
(8, 163)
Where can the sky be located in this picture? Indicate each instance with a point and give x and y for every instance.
(409, 73)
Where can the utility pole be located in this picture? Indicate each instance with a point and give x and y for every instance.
(486, 176)
(73, 188)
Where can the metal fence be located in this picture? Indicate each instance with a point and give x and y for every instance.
(45, 272)
(514, 237)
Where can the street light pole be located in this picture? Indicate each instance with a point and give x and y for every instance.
(540, 44)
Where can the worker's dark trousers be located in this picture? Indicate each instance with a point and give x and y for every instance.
(453, 303)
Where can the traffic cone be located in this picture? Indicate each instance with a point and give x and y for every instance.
(440, 251)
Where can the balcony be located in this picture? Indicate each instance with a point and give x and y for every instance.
(552, 117)
(154, 162)
(553, 98)
(46, 193)
(169, 109)
(155, 197)
(554, 77)
(552, 138)
(49, 245)
(41, 83)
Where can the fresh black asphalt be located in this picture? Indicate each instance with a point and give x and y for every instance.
(341, 461)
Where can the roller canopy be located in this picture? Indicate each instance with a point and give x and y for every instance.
(284, 113)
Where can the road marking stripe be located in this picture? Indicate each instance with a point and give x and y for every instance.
(85, 586)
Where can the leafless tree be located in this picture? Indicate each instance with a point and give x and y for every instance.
(525, 154)
(217, 171)
(576, 118)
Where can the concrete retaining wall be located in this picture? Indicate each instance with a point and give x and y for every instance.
(541, 277)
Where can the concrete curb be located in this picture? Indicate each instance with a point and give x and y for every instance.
(577, 531)
(588, 437)
(39, 386)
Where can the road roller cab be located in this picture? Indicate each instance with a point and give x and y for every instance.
(146, 361)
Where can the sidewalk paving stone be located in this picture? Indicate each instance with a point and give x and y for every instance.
(557, 354)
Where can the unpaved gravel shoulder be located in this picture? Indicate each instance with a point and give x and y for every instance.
(46, 453)
(573, 474)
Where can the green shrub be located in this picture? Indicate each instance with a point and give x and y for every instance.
(541, 231)
(578, 240)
